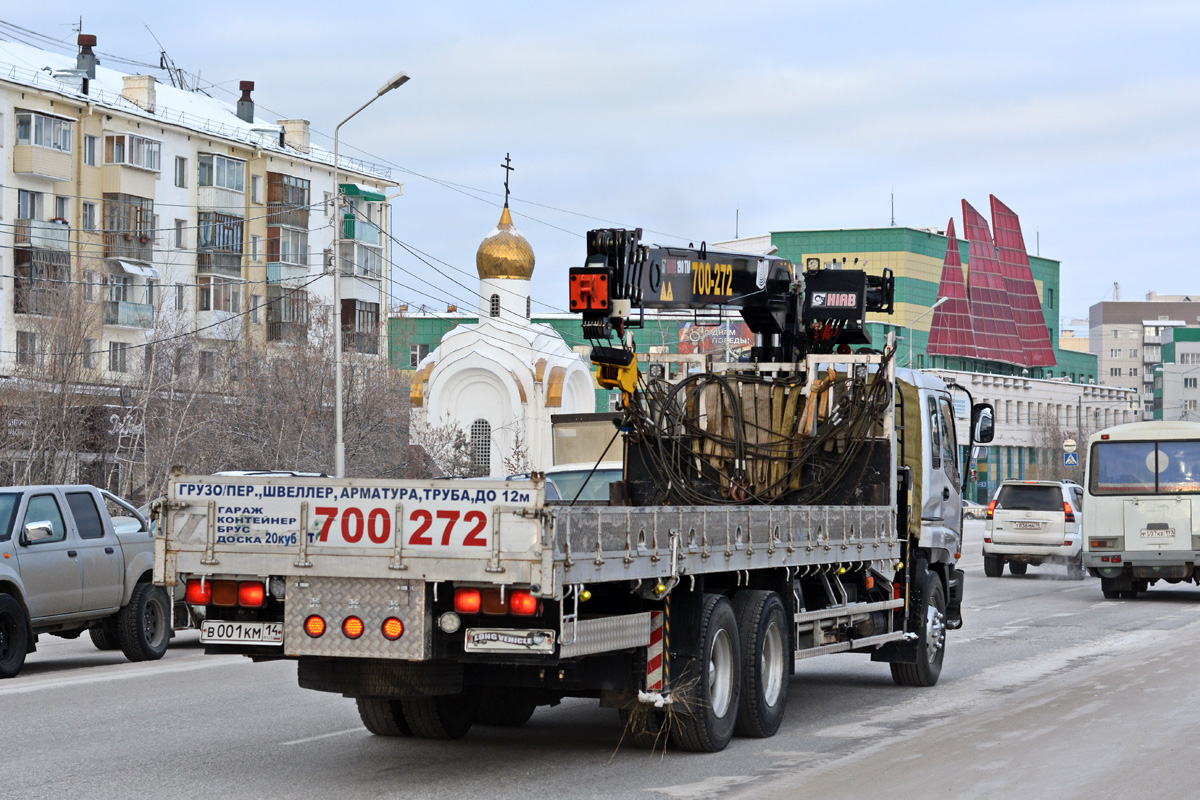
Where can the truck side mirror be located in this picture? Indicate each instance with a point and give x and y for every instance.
(983, 422)
(40, 531)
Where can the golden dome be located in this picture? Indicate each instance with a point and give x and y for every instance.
(505, 253)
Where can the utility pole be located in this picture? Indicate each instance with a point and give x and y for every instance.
(1079, 434)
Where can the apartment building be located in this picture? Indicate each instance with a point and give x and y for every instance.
(1127, 339)
(178, 213)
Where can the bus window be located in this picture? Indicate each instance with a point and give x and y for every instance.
(1179, 467)
(1122, 468)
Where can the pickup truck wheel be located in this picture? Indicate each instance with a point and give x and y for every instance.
(14, 636)
(504, 706)
(931, 642)
(707, 689)
(447, 716)
(104, 634)
(382, 716)
(763, 631)
(993, 566)
(144, 625)
(1018, 567)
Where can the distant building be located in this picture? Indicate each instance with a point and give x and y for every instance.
(1177, 379)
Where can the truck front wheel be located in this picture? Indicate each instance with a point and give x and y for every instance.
(382, 716)
(144, 625)
(931, 642)
(708, 688)
(766, 648)
(14, 636)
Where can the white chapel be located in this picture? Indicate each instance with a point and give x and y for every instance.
(501, 379)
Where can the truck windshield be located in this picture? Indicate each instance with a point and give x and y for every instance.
(8, 505)
(595, 491)
(1167, 467)
(1030, 498)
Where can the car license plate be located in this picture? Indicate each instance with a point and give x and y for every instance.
(220, 632)
(1158, 533)
(1027, 526)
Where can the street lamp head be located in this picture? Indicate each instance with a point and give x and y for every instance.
(395, 82)
(939, 301)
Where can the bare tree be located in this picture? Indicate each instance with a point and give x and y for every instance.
(445, 443)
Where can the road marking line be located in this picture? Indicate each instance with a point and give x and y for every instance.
(126, 672)
(325, 736)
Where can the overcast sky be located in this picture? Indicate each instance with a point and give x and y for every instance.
(1083, 117)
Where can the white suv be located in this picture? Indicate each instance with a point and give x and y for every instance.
(1034, 522)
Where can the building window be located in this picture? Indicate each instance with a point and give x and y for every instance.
(91, 286)
(1114, 353)
(256, 189)
(218, 294)
(329, 204)
(255, 302)
(89, 150)
(494, 305)
(288, 246)
(417, 352)
(1133, 352)
(181, 172)
(43, 131)
(62, 208)
(91, 217)
(219, 232)
(1188, 383)
(1190, 405)
(255, 246)
(180, 234)
(29, 204)
(118, 288)
(133, 151)
(222, 172)
(26, 348)
(179, 296)
(208, 360)
(90, 353)
(1114, 372)
(1049, 297)
(1133, 371)
(117, 352)
(481, 448)
(528, 308)
(1116, 333)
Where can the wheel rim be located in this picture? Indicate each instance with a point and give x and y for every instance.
(152, 621)
(935, 632)
(720, 669)
(772, 665)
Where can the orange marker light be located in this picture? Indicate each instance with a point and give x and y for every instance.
(224, 593)
(314, 626)
(352, 627)
(523, 604)
(392, 629)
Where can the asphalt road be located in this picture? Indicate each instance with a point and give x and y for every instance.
(1049, 691)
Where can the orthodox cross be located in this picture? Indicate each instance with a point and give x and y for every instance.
(507, 167)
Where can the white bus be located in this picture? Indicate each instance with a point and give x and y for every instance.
(1143, 493)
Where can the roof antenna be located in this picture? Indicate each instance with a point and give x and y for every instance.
(893, 206)
(166, 64)
(737, 218)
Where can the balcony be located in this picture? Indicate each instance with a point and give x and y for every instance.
(132, 246)
(291, 216)
(361, 341)
(287, 332)
(43, 235)
(278, 272)
(360, 230)
(219, 262)
(127, 314)
(42, 162)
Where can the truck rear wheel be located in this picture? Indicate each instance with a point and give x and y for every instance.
(447, 716)
(14, 636)
(504, 706)
(144, 625)
(708, 688)
(993, 566)
(382, 716)
(766, 648)
(931, 642)
(1018, 567)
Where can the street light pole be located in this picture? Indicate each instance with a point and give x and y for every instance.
(911, 326)
(339, 445)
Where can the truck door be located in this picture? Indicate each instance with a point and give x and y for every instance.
(99, 554)
(50, 569)
(952, 492)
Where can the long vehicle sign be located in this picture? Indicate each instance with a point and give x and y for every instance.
(427, 517)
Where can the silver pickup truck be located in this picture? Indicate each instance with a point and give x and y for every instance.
(68, 565)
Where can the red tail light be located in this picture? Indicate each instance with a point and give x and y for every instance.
(199, 592)
(392, 629)
(991, 512)
(1068, 512)
(314, 626)
(897, 591)
(251, 594)
(523, 604)
(467, 601)
(353, 627)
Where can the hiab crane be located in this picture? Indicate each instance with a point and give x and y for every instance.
(803, 502)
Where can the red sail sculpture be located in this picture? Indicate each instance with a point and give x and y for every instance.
(950, 332)
(1022, 291)
(996, 336)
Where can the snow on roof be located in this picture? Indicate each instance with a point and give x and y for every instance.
(30, 66)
